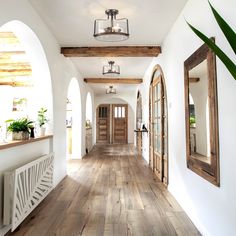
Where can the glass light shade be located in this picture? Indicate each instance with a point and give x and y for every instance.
(111, 29)
(111, 90)
(111, 69)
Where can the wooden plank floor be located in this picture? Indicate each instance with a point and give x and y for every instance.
(110, 192)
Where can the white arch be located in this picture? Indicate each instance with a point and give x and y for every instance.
(75, 99)
(42, 89)
(89, 108)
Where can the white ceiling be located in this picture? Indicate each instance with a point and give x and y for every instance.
(100, 89)
(132, 67)
(71, 21)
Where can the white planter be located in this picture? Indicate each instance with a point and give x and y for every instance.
(42, 131)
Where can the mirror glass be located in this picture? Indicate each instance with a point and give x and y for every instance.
(199, 113)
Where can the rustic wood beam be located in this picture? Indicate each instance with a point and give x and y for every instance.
(118, 51)
(14, 66)
(13, 72)
(194, 80)
(113, 80)
(16, 84)
(8, 54)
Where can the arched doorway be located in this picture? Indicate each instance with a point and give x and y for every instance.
(139, 127)
(106, 113)
(158, 120)
(73, 120)
(89, 124)
(24, 75)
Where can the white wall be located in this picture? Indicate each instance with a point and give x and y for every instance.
(61, 70)
(212, 209)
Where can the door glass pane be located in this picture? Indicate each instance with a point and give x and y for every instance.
(159, 144)
(165, 144)
(119, 112)
(155, 110)
(155, 143)
(123, 112)
(159, 108)
(158, 90)
(155, 93)
(105, 112)
(116, 112)
(100, 112)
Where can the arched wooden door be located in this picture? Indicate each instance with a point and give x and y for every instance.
(158, 121)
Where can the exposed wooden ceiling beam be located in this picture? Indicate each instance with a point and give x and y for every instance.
(16, 84)
(194, 80)
(6, 54)
(15, 66)
(113, 80)
(8, 38)
(119, 51)
(13, 72)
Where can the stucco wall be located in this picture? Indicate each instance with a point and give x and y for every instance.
(212, 209)
(61, 71)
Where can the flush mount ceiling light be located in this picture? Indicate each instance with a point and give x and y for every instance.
(111, 29)
(111, 90)
(111, 69)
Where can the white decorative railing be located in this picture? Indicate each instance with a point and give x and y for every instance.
(25, 188)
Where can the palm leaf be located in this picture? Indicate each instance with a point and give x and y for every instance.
(226, 29)
(223, 57)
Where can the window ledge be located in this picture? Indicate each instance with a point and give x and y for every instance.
(11, 144)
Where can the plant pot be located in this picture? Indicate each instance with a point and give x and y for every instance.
(42, 131)
(22, 135)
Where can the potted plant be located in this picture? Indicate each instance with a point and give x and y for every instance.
(19, 128)
(192, 121)
(42, 119)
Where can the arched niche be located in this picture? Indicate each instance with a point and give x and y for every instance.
(139, 112)
(73, 120)
(40, 94)
(139, 124)
(89, 109)
(89, 124)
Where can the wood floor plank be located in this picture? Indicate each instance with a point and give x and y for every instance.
(110, 192)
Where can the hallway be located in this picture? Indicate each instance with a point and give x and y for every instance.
(109, 192)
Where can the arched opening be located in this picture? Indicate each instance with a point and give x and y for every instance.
(89, 110)
(89, 119)
(139, 124)
(158, 125)
(73, 121)
(24, 76)
(105, 115)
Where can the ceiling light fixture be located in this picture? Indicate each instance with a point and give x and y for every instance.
(111, 90)
(111, 69)
(111, 29)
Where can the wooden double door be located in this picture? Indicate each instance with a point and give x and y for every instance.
(112, 123)
(158, 129)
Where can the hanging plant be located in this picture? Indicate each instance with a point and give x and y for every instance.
(230, 36)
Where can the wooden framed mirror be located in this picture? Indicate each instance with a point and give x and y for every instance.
(202, 139)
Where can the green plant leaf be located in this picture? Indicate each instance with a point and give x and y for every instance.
(223, 57)
(226, 29)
